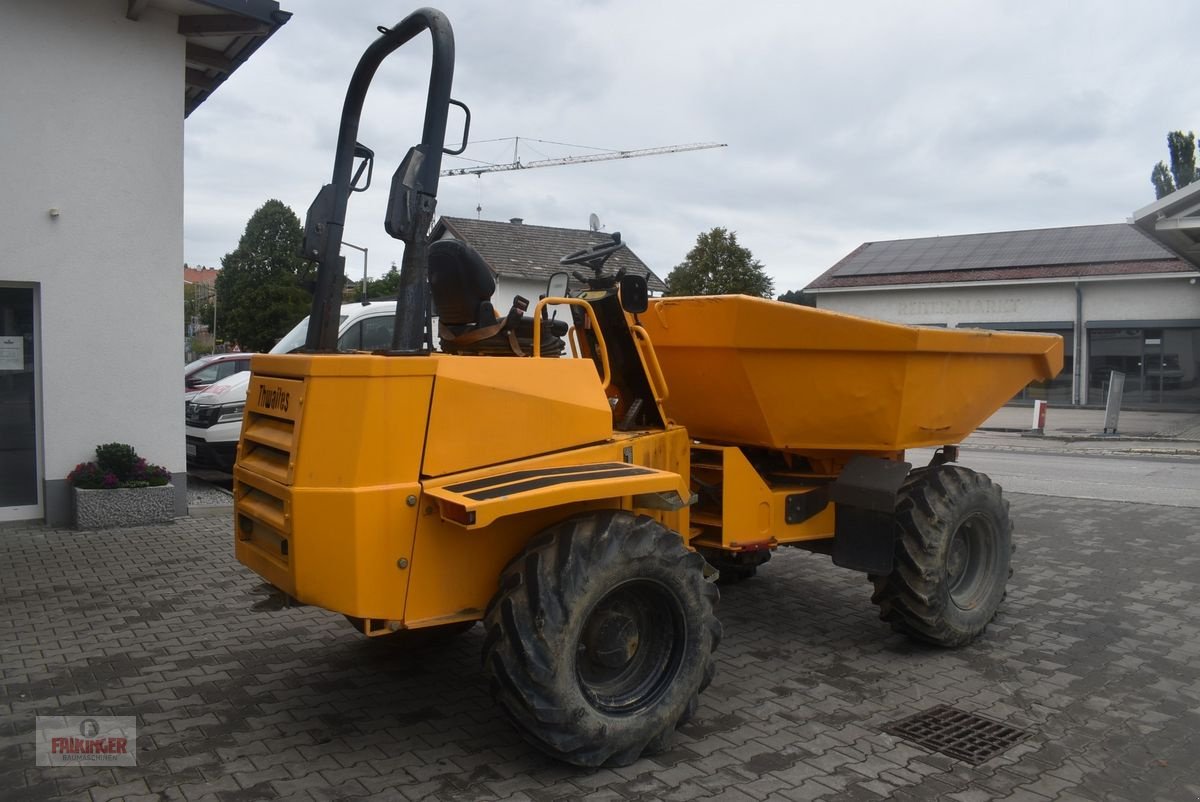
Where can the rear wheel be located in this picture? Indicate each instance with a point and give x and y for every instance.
(601, 638)
(953, 557)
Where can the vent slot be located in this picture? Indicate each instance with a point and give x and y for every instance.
(958, 734)
(275, 433)
(262, 507)
(268, 445)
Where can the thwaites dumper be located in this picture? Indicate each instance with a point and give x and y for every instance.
(578, 506)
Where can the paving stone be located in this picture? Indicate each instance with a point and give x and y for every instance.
(1096, 652)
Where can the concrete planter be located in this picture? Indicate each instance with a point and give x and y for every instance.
(125, 506)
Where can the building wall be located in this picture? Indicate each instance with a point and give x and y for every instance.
(530, 290)
(93, 127)
(956, 305)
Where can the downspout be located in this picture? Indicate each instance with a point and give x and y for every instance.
(1077, 393)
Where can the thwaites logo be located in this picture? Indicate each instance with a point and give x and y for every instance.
(273, 398)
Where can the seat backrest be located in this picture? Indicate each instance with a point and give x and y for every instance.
(460, 281)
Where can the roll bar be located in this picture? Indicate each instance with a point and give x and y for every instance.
(413, 195)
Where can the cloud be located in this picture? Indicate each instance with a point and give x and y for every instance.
(845, 122)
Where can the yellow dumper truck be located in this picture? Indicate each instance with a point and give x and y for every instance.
(581, 508)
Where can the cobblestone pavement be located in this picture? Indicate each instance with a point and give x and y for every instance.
(1096, 653)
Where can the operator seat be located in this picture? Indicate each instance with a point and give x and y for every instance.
(462, 285)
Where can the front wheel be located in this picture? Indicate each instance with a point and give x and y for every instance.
(601, 638)
(953, 557)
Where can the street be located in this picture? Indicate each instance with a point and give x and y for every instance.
(1171, 481)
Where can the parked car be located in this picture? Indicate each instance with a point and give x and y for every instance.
(208, 370)
(213, 418)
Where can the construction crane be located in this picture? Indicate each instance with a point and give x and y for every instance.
(606, 155)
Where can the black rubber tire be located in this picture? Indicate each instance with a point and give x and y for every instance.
(423, 638)
(953, 557)
(735, 568)
(543, 647)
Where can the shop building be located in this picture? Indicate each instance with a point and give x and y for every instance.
(1120, 298)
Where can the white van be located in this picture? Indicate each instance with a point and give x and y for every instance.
(213, 418)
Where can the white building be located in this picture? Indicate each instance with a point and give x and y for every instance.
(1119, 298)
(93, 95)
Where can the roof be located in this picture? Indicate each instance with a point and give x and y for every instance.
(200, 275)
(1076, 251)
(1174, 220)
(518, 250)
(220, 35)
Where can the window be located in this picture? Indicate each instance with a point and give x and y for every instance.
(377, 332)
(1161, 366)
(207, 376)
(351, 339)
(1058, 390)
(369, 334)
(232, 366)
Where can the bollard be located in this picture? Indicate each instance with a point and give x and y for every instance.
(1039, 417)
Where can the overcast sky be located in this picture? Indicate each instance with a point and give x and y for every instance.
(846, 123)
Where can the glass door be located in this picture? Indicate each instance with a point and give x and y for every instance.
(20, 491)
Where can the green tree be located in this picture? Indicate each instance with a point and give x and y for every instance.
(1182, 171)
(386, 286)
(717, 265)
(197, 305)
(261, 290)
(798, 297)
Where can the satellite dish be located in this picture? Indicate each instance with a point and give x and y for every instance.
(593, 222)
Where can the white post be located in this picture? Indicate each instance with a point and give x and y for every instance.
(364, 253)
(1039, 416)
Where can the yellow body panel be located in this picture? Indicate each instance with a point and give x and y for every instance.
(455, 570)
(333, 490)
(489, 410)
(755, 372)
(474, 504)
(753, 512)
(331, 505)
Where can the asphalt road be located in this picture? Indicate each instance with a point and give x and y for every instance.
(1169, 481)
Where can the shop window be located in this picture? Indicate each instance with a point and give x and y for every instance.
(1058, 390)
(1161, 366)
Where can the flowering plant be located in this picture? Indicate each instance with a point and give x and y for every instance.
(117, 465)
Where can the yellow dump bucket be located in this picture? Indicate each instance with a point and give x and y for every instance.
(747, 371)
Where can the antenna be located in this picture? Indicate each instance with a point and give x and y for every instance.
(593, 222)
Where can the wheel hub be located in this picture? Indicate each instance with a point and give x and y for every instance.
(612, 639)
(969, 560)
(956, 562)
(630, 647)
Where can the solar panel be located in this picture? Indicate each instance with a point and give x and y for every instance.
(1118, 242)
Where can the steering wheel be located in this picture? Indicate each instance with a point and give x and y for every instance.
(594, 256)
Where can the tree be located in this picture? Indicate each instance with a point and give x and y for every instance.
(197, 306)
(799, 297)
(717, 265)
(1182, 150)
(386, 286)
(261, 290)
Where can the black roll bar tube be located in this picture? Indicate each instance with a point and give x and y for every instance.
(327, 216)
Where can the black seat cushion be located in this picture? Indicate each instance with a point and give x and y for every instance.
(460, 282)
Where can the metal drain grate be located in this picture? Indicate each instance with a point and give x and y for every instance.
(952, 732)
